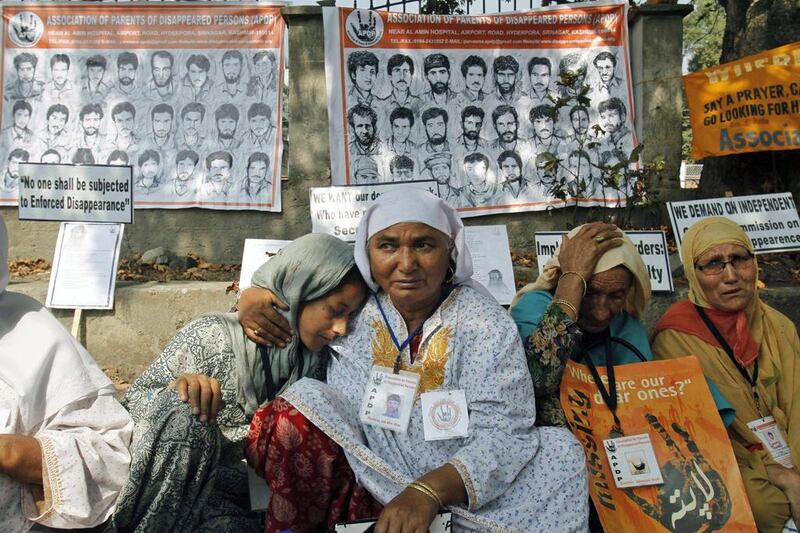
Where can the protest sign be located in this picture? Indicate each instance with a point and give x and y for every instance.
(491, 260)
(668, 401)
(190, 100)
(770, 220)
(85, 262)
(652, 246)
(87, 193)
(469, 101)
(748, 105)
(256, 253)
(338, 210)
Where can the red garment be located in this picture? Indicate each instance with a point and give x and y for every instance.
(313, 487)
(683, 317)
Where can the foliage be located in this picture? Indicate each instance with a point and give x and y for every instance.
(442, 7)
(623, 177)
(702, 48)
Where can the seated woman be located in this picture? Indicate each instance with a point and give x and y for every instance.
(187, 473)
(595, 285)
(63, 436)
(751, 352)
(429, 320)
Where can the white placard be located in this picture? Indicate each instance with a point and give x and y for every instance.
(79, 193)
(770, 220)
(85, 266)
(256, 253)
(652, 246)
(338, 210)
(491, 260)
(442, 523)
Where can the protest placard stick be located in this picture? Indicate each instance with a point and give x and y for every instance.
(76, 323)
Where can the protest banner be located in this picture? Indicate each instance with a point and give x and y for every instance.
(748, 105)
(79, 193)
(491, 260)
(338, 210)
(770, 220)
(257, 252)
(469, 101)
(668, 401)
(191, 100)
(84, 270)
(652, 246)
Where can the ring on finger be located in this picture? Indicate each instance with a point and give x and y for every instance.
(257, 332)
(600, 238)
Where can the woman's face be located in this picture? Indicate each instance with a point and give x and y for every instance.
(605, 298)
(732, 289)
(409, 261)
(321, 321)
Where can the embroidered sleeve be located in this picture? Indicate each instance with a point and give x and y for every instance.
(547, 350)
(85, 460)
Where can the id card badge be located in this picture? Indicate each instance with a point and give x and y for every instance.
(444, 415)
(771, 436)
(633, 461)
(389, 398)
(5, 414)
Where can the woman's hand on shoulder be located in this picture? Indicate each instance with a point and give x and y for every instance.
(203, 393)
(581, 252)
(410, 511)
(260, 319)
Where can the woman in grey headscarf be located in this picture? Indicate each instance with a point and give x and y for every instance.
(187, 473)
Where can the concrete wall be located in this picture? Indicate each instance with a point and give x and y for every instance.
(218, 236)
(146, 316)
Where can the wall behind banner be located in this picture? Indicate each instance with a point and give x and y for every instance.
(219, 236)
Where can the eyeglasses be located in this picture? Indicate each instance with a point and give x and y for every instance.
(715, 267)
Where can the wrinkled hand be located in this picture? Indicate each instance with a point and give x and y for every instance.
(261, 321)
(202, 393)
(409, 512)
(582, 252)
(788, 480)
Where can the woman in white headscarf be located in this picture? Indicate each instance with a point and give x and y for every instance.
(63, 436)
(504, 475)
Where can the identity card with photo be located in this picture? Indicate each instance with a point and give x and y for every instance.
(770, 435)
(633, 461)
(389, 398)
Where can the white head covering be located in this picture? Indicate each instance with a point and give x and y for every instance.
(39, 359)
(626, 255)
(414, 205)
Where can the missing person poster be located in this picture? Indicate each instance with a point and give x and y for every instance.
(470, 102)
(189, 98)
(748, 105)
(669, 402)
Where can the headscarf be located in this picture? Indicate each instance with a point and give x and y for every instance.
(625, 255)
(742, 330)
(46, 367)
(414, 205)
(306, 269)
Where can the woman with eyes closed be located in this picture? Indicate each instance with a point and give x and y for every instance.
(193, 405)
(752, 353)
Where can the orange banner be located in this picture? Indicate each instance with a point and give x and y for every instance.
(749, 105)
(670, 402)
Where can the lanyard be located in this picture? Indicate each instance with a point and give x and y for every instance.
(402, 346)
(752, 380)
(272, 388)
(610, 395)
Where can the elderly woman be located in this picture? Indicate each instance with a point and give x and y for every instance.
(428, 322)
(63, 436)
(187, 473)
(595, 286)
(752, 353)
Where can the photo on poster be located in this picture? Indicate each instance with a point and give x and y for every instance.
(84, 272)
(491, 260)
